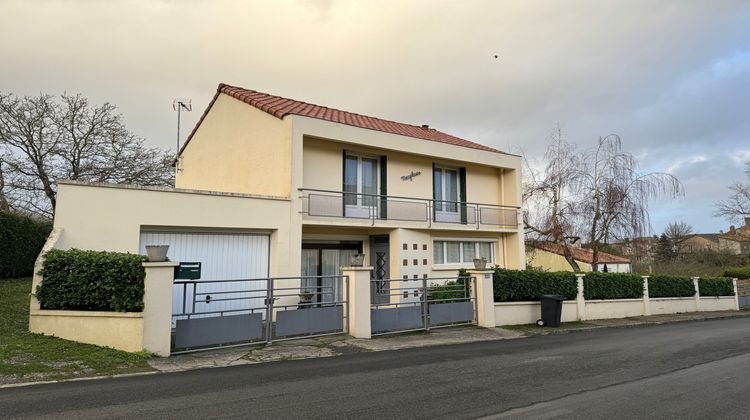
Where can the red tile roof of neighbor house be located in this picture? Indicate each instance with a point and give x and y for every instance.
(579, 254)
(280, 107)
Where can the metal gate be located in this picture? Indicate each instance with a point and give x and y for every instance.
(422, 304)
(222, 313)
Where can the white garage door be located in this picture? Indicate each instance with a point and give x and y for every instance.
(223, 256)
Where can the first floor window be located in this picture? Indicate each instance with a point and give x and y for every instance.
(462, 252)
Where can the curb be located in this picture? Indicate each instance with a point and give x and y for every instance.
(633, 325)
(85, 378)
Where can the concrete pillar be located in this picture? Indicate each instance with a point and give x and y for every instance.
(697, 295)
(359, 301)
(646, 298)
(736, 296)
(157, 307)
(580, 300)
(485, 297)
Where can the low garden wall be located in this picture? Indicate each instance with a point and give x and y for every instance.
(119, 330)
(665, 306)
(607, 296)
(108, 299)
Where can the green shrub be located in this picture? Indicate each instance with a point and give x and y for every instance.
(612, 286)
(92, 281)
(529, 285)
(447, 293)
(21, 240)
(716, 286)
(670, 286)
(451, 291)
(738, 272)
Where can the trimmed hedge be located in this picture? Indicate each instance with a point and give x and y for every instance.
(738, 272)
(612, 286)
(716, 286)
(526, 285)
(21, 240)
(92, 281)
(660, 286)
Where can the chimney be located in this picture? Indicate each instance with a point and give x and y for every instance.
(425, 126)
(731, 229)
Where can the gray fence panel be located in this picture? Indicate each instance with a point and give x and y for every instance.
(218, 330)
(395, 319)
(744, 301)
(309, 321)
(450, 313)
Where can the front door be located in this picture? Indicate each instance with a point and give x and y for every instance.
(379, 253)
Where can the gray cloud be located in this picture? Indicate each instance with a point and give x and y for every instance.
(670, 77)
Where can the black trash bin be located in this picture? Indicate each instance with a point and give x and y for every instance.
(551, 310)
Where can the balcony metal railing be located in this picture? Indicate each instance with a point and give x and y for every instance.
(326, 203)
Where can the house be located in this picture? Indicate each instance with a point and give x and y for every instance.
(700, 242)
(638, 250)
(735, 241)
(550, 257)
(270, 186)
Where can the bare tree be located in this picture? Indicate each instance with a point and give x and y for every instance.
(598, 194)
(677, 233)
(549, 204)
(737, 206)
(4, 202)
(45, 139)
(615, 194)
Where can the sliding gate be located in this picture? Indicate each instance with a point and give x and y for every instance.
(221, 313)
(402, 305)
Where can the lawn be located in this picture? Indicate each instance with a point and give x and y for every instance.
(27, 357)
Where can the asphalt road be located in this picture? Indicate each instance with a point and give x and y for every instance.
(686, 370)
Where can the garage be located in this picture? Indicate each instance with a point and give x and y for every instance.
(223, 256)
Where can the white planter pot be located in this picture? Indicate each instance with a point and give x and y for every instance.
(157, 253)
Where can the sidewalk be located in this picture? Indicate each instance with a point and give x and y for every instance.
(337, 345)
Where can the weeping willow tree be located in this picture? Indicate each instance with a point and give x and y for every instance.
(614, 195)
(550, 210)
(596, 196)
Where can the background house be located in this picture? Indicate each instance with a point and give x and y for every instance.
(549, 256)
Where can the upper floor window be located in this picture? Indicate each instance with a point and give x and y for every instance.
(446, 189)
(360, 182)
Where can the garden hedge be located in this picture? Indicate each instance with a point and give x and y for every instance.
(21, 240)
(612, 286)
(738, 272)
(660, 286)
(529, 285)
(716, 286)
(92, 281)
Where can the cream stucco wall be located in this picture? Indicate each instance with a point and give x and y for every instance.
(322, 169)
(238, 148)
(551, 261)
(106, 217)
(123, 331)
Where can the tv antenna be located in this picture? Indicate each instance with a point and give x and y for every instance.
(179, 105)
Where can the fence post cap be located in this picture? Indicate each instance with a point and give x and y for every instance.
(148, 264)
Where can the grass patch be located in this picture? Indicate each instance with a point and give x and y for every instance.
(26, 357)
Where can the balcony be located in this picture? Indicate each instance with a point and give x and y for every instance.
(323, 204)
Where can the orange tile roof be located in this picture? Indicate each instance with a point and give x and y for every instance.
(579, 254)
(280, 107)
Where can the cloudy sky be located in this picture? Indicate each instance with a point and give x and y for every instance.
(672, 78)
